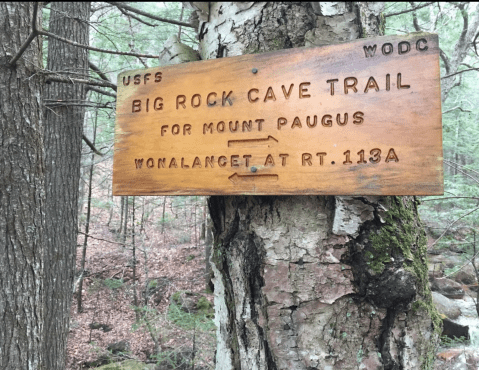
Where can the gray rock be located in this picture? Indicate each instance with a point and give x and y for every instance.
(465, 277)
(117, 347)
(448, 288)
(446, 306)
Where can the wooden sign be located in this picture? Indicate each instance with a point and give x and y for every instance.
(361, 118)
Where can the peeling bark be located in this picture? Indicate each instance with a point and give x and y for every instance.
(314, 282)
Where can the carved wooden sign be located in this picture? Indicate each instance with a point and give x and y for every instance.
(361, 118)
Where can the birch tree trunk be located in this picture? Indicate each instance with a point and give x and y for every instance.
(64, 117)
(314, 282)
(22, 192)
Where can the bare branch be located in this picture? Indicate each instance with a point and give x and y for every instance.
(414, 17)
(459, 72)
(475, 44)
(408, 10)
(45, 33)
(138, 11)
(49, 76)
(451, 224)
(427, 200)
(103, 76)
(105, 240)
(101, 91)
(445, 59)
(458, 107)
(30, 38)
(124, 12)
(92, 147)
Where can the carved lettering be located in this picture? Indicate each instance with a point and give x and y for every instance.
(196, 163)
(161, 162)
(331, 82)
(303, 90)
(183, 165)
(269, 95)
(392, 156)
(250, 99)
(222, 161)
(247, 158)
(372, 84)
(282, 122)
(308, 121)
(269, 161)
(136, 106)
(210, 161)
(350, 83)
(287, 94)
(400, 85)
(338, 119)
(387, 48)
(158, 76)
(150, 163)
(235, 127)
(283, 159)
(158, 104)
(321, 157)
(136, 79)
(198, 100)
(306, 159)
(226, 98)
(296, 123)
(358, 118)
(404, 47)
(180, 100)
(209, 102)
(327, 120)
(138, 163)
(173, 163)
(234, 161)
(369, 51)
(145, 77)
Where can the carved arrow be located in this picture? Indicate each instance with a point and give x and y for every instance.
(252, 141)
(236, 179)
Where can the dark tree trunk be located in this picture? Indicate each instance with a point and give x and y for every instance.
(314, 282)
(22, 193)
(63, 139)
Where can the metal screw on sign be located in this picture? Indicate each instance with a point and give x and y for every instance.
(254, 70)
(253, 169)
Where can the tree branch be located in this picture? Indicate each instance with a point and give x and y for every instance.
(30, 38)
(427, 200)
(414, 17)
(458, 107)
(445, 59)
(92, 147)
(101, 91)
(124, 12)
(459, 72)
(451, 224)
(49, 76)
(45, 33)
(138, 11)
(408, 10)
(103, 76)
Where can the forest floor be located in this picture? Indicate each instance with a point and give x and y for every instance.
(164, 266)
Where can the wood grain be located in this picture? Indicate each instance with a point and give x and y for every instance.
(340, 120)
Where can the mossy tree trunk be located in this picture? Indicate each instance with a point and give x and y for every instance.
(314, 282)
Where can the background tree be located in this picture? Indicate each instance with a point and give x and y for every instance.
(64, 116)
(22, 192)
(280, 301)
